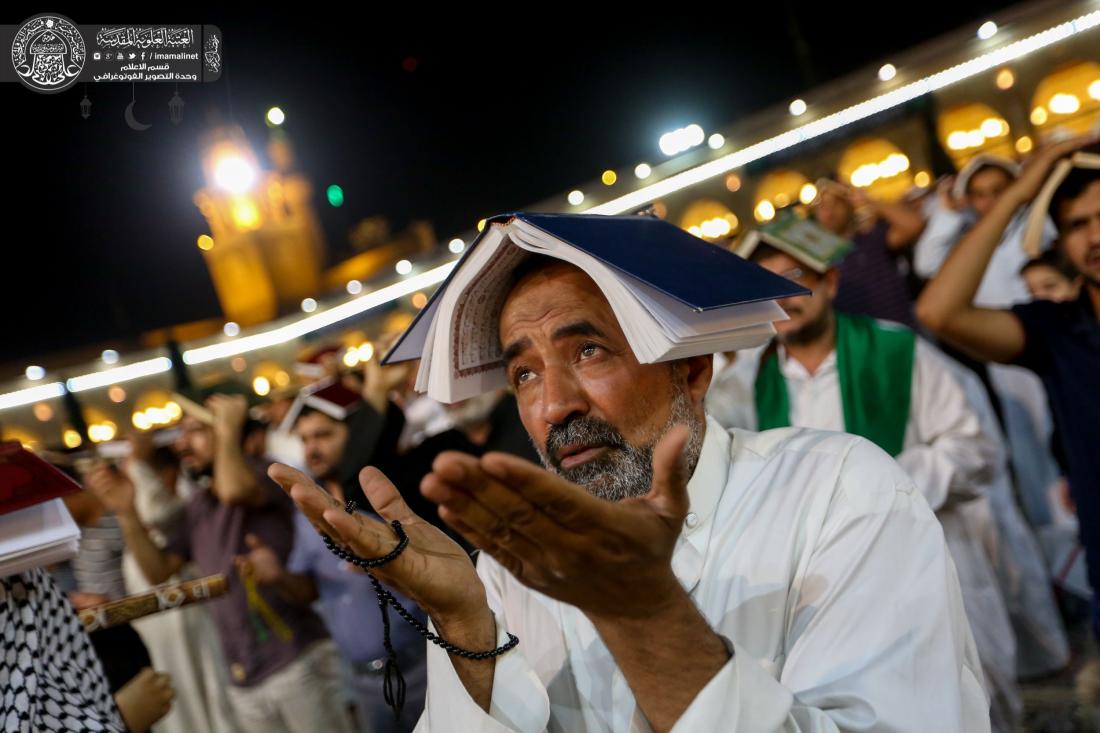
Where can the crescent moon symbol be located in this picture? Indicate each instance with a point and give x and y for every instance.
(133, 123)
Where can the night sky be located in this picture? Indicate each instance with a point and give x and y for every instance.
(497, 113)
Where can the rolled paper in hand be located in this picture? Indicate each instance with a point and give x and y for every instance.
(161, 598)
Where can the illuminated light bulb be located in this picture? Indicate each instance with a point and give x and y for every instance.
(116, 394)
(366, 351)
(807, 193)
(309, 305)
(1038, 116)
(887, 72)
(764, 211)
(419, 300)
(403, 267)
(1094, 89)
(261, 386)
(354, 287)
(992, 127)
(987, 30)
(234, 174)
(797, 107)
(34, 372)
(733, 183)
(205, 242)
(276, 116)
(351, 358)
(642, 170)
(957, 140)
(608, 178)
(1064, 104)
(231, 329)
(238, 364)
(697, 231)
(576, 198)
(456, 245)
(922, 179)
(109, 356)
(1005, 79)
(43, 412)
(71, 438)
(481, 224)
(174, 411)
(1024, 145)
(716, 141)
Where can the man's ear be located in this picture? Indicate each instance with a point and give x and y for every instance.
(832, 282)
(696, 371)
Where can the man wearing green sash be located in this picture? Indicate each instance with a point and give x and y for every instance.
(835, 371)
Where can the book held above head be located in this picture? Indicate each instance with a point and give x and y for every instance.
(673, 294)
(35, 527)
(804, 239)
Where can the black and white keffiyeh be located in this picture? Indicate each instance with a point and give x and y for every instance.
(50, 676)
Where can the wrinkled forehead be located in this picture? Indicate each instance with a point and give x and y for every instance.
(552, 292)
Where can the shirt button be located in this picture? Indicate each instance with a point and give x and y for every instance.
(691, 520)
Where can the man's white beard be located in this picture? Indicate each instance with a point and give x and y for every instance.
(625, 470)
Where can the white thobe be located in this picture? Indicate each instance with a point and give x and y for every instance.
(950, 458)
(814, 556)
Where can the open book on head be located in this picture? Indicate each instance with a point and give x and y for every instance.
(804, 239)
(673, 294)
(1040, 207)
(35, 527)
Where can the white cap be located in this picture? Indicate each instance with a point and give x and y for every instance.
(982, 160)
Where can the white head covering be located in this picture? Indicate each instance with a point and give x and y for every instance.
(982, 160)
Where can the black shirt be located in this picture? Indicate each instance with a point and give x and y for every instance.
(1062, 346)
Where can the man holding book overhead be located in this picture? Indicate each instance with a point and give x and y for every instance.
(1058, 341)
(658, 572)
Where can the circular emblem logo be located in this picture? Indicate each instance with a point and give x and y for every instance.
(48, 53)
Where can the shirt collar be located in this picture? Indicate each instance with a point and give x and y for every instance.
(793, 369)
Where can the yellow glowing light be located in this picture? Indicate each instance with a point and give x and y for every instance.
(141, 421)
(276, 116)
(366, 351)
(282, 379)
(764, 211)
(71, 438)
(609, 178)
(245, 214)
(238, 364)
(994, 127)
(173, 410)
(1024, 145)
(957, 140)
(1005, 79)
(261, 386)
(922, 179)
(43, 412)
(1094, 89)
(1038, 116)
(481, 225)
(351, 358)
(102, 432)
(116, 394)
(1064, 104)
(733, 183)
(206, 242)
(807, 193)
(419, 300)
(695, 230)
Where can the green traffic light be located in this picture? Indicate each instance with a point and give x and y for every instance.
(335, 195)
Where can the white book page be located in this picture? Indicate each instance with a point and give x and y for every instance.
(35, 527)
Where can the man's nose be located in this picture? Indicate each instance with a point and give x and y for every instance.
(562, 395)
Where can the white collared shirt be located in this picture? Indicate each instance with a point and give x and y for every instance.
(814, 555)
